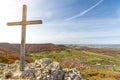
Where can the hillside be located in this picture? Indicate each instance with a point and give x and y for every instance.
(93, 63)
(103, 50)
(11, 57)
(11, 48)
(10, 52)
(15, 48)
(31, 48)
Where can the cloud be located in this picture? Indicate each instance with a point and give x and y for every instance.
(84, 12)
(86, 31)
(79, 37)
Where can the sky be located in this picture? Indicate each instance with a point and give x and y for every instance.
(64, 21)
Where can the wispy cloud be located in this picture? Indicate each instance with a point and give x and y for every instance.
(84, 12)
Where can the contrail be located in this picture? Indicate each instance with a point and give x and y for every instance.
(84, 12)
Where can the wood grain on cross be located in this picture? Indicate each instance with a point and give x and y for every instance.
(23, 35)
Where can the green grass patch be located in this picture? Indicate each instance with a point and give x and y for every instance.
(117, 67)
(94, 58)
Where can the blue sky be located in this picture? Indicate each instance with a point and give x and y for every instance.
(64, 21)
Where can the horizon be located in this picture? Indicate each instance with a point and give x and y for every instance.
(64, 22)
(58, 43)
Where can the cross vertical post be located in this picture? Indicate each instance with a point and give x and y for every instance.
(24, 22)
(23, 38)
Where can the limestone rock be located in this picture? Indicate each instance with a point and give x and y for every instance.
(28, 74)
(72, 74)
(43, 62)
(43, 69)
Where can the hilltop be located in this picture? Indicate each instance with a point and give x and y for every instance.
(43, 69)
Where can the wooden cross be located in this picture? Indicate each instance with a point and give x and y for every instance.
(23, 35)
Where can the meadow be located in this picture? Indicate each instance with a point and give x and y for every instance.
(92, 64)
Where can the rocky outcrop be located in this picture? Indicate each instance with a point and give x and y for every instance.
(43, 69)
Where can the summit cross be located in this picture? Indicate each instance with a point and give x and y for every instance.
(24, 22)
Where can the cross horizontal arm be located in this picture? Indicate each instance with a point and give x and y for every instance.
(14, 23)
(26, 23)
(34, 22)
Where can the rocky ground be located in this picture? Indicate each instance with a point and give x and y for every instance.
(43, 69)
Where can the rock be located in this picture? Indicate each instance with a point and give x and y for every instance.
(43, 62)
(28, 74)
(7, 74)
(72, 74)
(55, 71)
(43, 69)
(16, 74)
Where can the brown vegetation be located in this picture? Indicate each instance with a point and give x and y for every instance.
(8, 57)
(106, 51)
(10, 52)
(30, 48)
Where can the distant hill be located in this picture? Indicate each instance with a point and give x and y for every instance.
(103, 50)
(10, 52)
(31, 48)
(11, 48)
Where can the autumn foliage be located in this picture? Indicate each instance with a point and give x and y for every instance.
(11, 52)
(7, 56)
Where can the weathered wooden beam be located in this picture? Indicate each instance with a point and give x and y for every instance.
(14, 23)
(23, 39)
(34, 22)
(26, 23)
